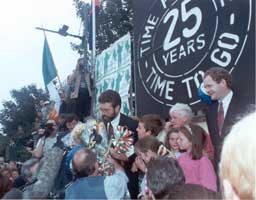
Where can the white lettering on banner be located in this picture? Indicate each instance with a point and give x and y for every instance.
(219, 55)
(145, 44)
(196, 82)
(184, 50)
(179, 40)
(164, 3)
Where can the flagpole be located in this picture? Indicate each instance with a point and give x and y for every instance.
(93, 34)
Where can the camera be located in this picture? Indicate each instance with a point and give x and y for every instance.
(42, 126)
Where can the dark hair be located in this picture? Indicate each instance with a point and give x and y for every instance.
(86, 165)
(148, 143)
(71, 117)
(218, 73)
(110, 96)
(197, 136)
(164, 173)
(166, 142)
(152, 122)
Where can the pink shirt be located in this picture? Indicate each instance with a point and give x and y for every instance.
(199, 172)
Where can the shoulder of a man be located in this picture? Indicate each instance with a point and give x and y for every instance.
(116, 185)
(128, 121)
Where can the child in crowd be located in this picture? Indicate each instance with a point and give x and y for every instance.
(171, 141)
(197, 167)
(147, 148)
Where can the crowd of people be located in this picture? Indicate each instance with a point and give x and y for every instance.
(146, 157)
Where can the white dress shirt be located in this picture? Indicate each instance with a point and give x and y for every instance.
(226, 101)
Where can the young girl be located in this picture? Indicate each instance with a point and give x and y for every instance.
(171, 141)
(197, 167)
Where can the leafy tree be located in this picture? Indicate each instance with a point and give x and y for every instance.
(113, 20)
(21, 111)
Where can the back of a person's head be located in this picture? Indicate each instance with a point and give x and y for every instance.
(83, 163)
(163, 174)
(152, 122)
(148, 143)
(110, 96)
(238, 160)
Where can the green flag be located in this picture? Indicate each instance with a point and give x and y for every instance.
(50, 74)
(49, 69)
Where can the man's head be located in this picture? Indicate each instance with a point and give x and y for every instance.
(237, 165)
(110, 104)
(217, 82)
(80, 64)
(163, 175)
(41, 103)
(46, 103)
(84, 163)
(180, 115)
(149, 124)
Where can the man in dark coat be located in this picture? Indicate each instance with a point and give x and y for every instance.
(227, 109)
(110, 106)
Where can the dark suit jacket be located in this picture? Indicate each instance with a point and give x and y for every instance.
(234, 113)
(131, 124)
(133, 184)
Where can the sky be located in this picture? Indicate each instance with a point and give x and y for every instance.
(22, 45)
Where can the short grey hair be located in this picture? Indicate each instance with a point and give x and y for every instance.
(184, 109)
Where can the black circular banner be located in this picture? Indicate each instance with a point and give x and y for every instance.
(177, 41)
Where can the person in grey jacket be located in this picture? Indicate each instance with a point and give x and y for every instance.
(48, 170)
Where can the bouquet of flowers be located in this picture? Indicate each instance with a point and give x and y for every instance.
(124, 142)
(121, 146)
(76, 135)
(105, 167)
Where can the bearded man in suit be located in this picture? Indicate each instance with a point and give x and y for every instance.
(110, 106)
